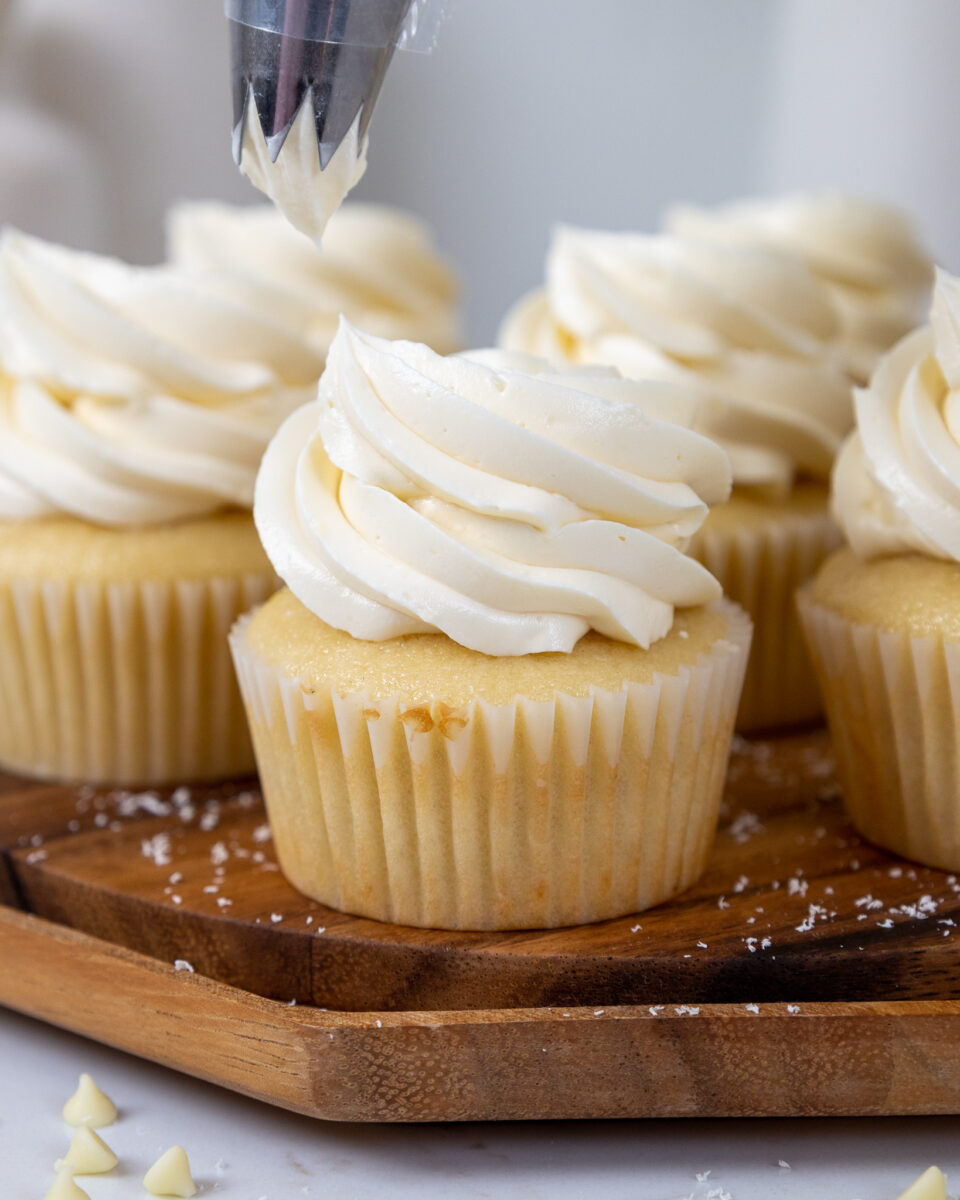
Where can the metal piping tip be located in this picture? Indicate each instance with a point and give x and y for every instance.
(338, 78)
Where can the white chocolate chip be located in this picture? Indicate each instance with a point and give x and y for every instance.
(65, 1189)
(170, 1175)
(89, 1106)
(89, 1154)
(930, 1186)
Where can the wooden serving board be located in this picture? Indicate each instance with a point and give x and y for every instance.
(807, 973)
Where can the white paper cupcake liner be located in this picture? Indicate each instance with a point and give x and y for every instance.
(893, 707)
(760, 567)
(526, 815)
(123, 682)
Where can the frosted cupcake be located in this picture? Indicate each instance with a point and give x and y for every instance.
(868, 254)
(883, 617)
(753, 334)
(134, 413)
(378, 266)
(496, 693)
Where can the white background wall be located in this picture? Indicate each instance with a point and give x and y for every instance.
(528, 112)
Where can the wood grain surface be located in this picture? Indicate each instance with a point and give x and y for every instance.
(518, 1064)
(794, 907)
(807, 974)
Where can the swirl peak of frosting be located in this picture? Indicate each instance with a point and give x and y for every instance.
(503, 502)
(378, 266)
(868, 254)
(897, 480)
(130, 395)
(750, 330)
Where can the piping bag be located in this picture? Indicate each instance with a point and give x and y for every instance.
(306, 75)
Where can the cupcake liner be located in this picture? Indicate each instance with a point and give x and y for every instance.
(525, 815)
(893, 707)
(123, 682)
(760, 567)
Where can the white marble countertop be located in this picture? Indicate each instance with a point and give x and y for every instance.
(246, 1150)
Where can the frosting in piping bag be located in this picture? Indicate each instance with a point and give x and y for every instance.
(307, 196)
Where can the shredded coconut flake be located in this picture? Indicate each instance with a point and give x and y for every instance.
(156, 848)
(744, 827)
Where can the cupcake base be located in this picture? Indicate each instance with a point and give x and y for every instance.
(114, 663)
(446, 789)
(761, 551)
(885, 640)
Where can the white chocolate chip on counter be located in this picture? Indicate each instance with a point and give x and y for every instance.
(932, 1185)
(65, 1189)
(89, 1106)
(89, 1154)
(170, 1175)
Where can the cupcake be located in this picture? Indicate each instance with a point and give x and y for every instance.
(753, 333)
(883, 615)
(868, 254)
(378, 266)
(135, 410)
(495, 693)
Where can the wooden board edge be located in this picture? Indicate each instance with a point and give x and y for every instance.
(875, 1058)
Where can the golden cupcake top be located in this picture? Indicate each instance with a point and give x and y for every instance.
(133, 396)
(896, 487)
(752, 332)
(378, 266)
(489, 497)
(869, 255)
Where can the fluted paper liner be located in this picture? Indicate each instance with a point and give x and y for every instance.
(893, 707)
(526, 815)
(760, 567)
(123, 682)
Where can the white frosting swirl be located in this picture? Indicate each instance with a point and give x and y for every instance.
(377, 266)
(751, 331)
(487, 497)
(868, 254)
(897, 481)
(131, 396)
(307, 196)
